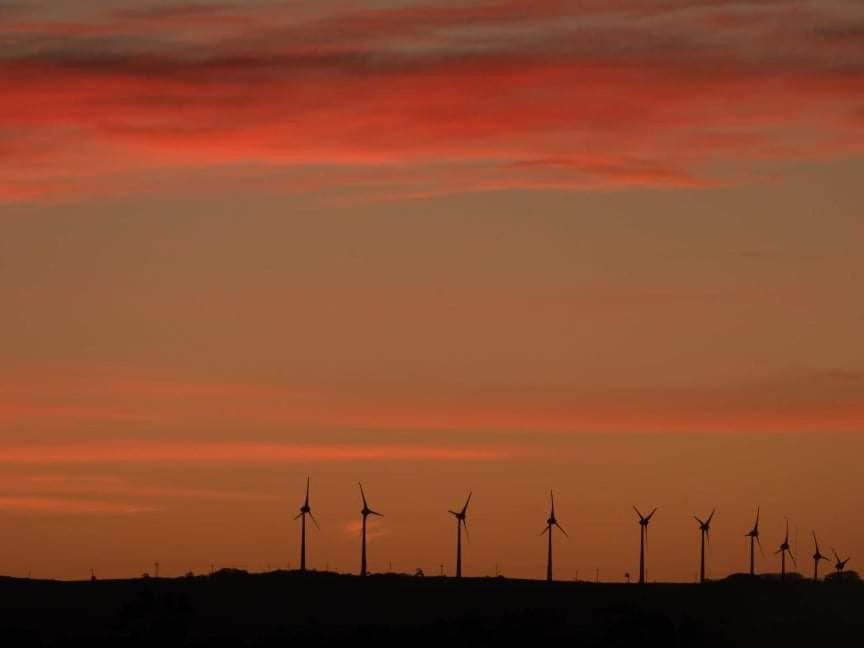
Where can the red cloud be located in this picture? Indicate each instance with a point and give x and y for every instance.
(405, 101)
(120, 452)
(65, 505)
(823, 401)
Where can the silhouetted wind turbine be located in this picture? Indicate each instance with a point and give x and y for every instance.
(817, 558)
(551, 523)
(366, 512)
(840, 565)
(460, 522)
(705, 533)
(783, 550)
(644, 521)
(304, 511)
(753, 534)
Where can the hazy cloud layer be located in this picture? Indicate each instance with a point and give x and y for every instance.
(817, 400)
(416, 99)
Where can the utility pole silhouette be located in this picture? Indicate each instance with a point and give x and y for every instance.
(365, 513)
(783, 550)
(551, 523)
(817, 558)
(304, 511)
(753, 534)
(705, 533)
(644, 521)
(460, 522)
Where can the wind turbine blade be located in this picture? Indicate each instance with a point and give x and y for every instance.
(794, 562)
(711, 517)
(465, 524)
(467, 502)
(835, 554)
(371, 512)
(306, 501)
(453, 513)
(363, 495)
(314, 520)
(544, 531)
(651, 514)
(562, 529)
(761, 551)
(298, 516)
(701, 523)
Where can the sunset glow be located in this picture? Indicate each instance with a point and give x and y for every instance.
(610, 247)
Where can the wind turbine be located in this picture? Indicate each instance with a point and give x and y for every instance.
(366, 512)
(705, 533)
(304, 511)
(753, 534)
(783, 550)
(644, 521)
(817, 558)
(551, 523)
(840, 565)
(460, 522)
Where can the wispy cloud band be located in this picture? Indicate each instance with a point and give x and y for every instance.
(428, 98)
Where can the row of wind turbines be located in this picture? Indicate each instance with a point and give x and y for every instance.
(552, 523)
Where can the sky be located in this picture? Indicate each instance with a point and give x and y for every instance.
(610, 248)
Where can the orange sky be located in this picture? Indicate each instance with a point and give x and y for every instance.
(505, 246)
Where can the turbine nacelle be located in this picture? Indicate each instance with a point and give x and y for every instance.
(552, 521)
(818, 555)
(705, 525)
(754, 532)
(461, 515)
(366, 511)
(785, 548)
(644, 520)
(305, 509)
(840, 565)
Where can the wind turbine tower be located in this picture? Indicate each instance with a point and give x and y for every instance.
(365, 512)
(705, 534)
(551, 523)
(783, 550)
(304, 511)
(753, 534)
(817, 558)
(644, 521)
(460, 522)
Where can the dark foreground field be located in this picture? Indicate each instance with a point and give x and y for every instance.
(291, 609)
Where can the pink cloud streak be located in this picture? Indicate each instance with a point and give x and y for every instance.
(133, 452)
(403, 100)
